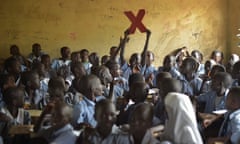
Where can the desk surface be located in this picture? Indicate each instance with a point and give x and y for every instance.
(34, 113)
(21, 129)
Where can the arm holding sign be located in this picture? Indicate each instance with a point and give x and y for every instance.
(144, 53)
(122, 46)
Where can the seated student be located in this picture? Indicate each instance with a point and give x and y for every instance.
(214, 100)
(150, 70)
(169, 65)
(75, 57)
(83, 111)
(181, 124)
(217, 56)
(63, 61)
(36, 54)
(6, 81)
(199, 57)
(236, 74)
(31, 83)
(61, 131)
(105, 59)
(140, 123)
(230, 129)
(46, 61)
(137, 62)
(94, 60)
(13, 67)
(78, 72)
(191, 83)
(103, 73)
(232, 60)
(207, 68)
(15, 53)
(206, 84)
(105, 131)
(84, 53)
(180, 54)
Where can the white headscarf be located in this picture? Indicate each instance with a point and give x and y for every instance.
(181, 126)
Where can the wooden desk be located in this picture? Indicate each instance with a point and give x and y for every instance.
(34, 113)
(20, 129)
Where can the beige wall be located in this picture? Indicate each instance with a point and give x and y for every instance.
(233, 26)
(98, 24)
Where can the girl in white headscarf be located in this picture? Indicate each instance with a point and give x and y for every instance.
(181, 126)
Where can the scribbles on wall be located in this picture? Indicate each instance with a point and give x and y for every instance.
(73, 36)
(136, 21)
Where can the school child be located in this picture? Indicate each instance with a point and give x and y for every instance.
(236, 74)
(46, 61)
(36, 54)
(191, 83)
(75, 57)
(230, 129)
(84, 53)
(105, 59)
(63, 61)
(61, 131)
(137, 62)
(15, 53)
(232, 60)
(217, 56)
(105, 131)
(140, 123)
(83, 111)
(181, 124)
(199, 57)
(94, 59)
(13, 67)
(31, 83)
(150, 70)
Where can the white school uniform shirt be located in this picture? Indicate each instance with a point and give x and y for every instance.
(181, 125)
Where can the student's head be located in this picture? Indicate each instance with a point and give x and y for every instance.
(45, 59)
(65, 52)
(105, 114)
(103, 73)
(113, 50)
(31, 80)
(39, 68)
(233, 99)
(12, 66)
(135, 77)
(138, 92)
(141, 120)
(169, 62)
(149, 58)
(135, 60)
(6, 81)
(36, 49)
(232, 60)
(170, 85)
(61, 114)
(217, 56)
(160, 76)
(78, 69)
(236, 70)
(90, 86)
(105, 59)
(56, 88)
(215, 69)
(14, 50)
(114, 68)
(189, 65)
(63, 71)
(75, 57)
(208, 66)
(84, 55)
(197, 55)
(221, 81)
(14, 97)
(94, 59)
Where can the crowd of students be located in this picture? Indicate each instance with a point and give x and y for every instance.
(88, 99)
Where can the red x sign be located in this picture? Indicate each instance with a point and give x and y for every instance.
(136, 21)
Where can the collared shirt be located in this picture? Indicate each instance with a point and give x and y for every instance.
(191, 88)
(87, 67)
(147, 139)
(64, 135)
(23, 116)
(57, 63)
(83, 112)
(233, 126)
(210, 98)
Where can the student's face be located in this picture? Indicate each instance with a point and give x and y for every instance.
(106, 116)
(186, 67)
(135, 60)
(46, 61)
(150, 58)
(66, 53)
(113, 51)
(139, 123)
(108, 75)
(230, 103)
(115, 70)
(218, 57)
(16, 68)
(37, 51)
(97, 90)
(76, 57)
(217, 86)
(14, 50)
(84, 56)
